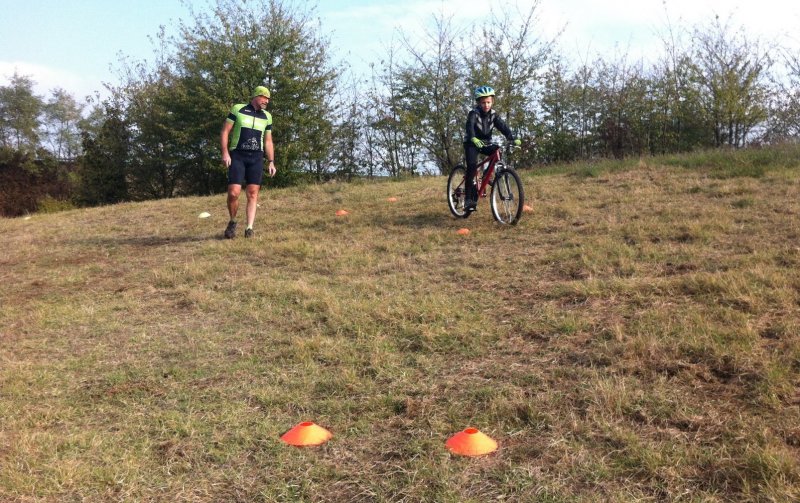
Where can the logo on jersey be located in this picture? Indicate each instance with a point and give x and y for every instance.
(251, 144)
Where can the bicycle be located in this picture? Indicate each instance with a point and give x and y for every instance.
(507, 196)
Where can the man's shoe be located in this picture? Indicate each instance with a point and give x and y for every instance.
(248, 233)
(230, 231)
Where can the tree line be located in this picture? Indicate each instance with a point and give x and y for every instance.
(157, 135)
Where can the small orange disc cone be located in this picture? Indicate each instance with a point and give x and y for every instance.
(464, 231)
(527, 208)
(471, 442)
(392, 199)
(341, 213)
(305, 434)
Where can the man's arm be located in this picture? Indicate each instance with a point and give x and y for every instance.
(223, 143)
(269, 150)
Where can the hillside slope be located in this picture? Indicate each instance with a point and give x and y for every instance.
(635, 337)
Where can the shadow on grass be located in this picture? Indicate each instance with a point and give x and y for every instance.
(149, 241)
(433, 219)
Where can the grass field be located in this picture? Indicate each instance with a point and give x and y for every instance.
(635, 338)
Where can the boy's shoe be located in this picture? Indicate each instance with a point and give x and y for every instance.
(248, 233)
(471, 199)
(230, 231)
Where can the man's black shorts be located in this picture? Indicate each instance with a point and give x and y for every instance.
(247, 168)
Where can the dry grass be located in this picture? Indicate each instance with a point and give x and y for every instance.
(634, 338)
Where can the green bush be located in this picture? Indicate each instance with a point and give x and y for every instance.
(49, 204)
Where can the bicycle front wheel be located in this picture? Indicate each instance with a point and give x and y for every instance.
(457, 192)
(507, 197)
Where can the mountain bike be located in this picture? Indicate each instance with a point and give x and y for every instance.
(507, 196)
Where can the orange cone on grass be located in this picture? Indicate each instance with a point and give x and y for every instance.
(306, 434)
(392, 199)
(471, 442)
(526, 208)
(341, 213)
(463, 231)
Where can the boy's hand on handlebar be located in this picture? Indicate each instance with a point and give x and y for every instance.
(477, 142)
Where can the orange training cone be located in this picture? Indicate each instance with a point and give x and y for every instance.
(527, 208)
(471, 442)
(463, 231)
(341, 213)
(306, 434)
(392, 199)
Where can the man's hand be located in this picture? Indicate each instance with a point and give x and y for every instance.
(477, 142)
(272, 169)
(226, 159)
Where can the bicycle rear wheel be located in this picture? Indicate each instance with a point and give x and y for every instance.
(507, 197)
(457, 192)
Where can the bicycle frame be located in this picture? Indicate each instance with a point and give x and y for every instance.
(492, 160)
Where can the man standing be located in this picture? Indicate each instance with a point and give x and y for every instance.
(243, 155)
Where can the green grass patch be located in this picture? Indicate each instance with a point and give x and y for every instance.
(733, 163)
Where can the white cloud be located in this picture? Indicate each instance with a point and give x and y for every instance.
(599, 27)
(47, 78)
(361, 34)
(612, 29)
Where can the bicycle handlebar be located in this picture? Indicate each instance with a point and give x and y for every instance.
(504, 144)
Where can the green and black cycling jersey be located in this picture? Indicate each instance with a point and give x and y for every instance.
(249, 127)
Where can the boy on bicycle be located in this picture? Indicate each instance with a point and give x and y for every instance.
(481, 120)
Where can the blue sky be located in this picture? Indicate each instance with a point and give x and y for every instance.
(75, 44)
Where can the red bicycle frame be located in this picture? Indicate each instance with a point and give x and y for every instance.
(487, 173)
